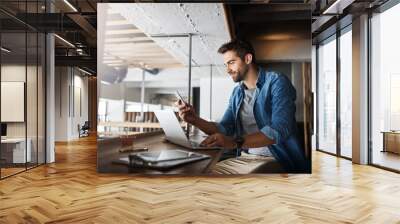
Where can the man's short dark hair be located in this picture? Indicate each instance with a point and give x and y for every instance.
(241, 47)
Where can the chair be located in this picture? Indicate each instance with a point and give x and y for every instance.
(84, 130)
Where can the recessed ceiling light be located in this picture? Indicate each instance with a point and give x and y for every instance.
(64, 40)
(70, 5)
(338, 6)
(5, 50)
(84, 71)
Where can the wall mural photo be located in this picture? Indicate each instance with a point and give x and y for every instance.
(203, 89)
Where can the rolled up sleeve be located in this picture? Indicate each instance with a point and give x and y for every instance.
(283, 110)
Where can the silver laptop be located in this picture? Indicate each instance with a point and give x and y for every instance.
(174, 132)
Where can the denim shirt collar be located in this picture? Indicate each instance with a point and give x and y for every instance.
(260, 79)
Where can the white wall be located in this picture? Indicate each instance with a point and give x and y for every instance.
(69, 82)
(79, 117)
(221, 91)
(62, 81)
(33, 125)
(16, 73)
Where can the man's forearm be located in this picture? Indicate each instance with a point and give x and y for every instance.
(257, 140)
(206, 126)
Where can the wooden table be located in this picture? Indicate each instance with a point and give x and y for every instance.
(108, 151)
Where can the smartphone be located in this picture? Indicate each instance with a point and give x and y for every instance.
(180, 97)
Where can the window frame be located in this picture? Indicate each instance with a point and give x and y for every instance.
(333, 37)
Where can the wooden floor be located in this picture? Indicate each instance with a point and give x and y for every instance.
(10, 171)
(70, 191)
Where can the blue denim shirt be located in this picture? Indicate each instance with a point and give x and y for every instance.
(274, 111)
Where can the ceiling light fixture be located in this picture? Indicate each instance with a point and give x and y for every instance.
(5, 50)
(84, 71)
(70, 5)
(337, 7)
(64, 40)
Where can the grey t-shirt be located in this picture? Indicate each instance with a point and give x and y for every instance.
(249, 122)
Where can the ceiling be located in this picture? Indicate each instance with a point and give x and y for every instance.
(273, 20)
(73, 21)
(162, 30)
(276, 30)
(130, 27)
(254, 20)
(125, 45)
(331, 16)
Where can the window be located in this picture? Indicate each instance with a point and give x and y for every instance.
(346, 93)
(327, 96)
(385, 88)
(335, 74)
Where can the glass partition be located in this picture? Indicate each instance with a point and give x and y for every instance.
(327, 96)
(22, 89)
(385, 89)
(15, 151)
(346, 93)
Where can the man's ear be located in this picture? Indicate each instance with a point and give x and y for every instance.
(248, 58)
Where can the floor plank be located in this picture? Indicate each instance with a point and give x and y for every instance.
(70, 191)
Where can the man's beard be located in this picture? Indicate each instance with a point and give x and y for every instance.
(241, 75)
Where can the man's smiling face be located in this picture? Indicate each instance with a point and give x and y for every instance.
(235, 66)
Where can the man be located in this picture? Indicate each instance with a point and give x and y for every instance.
(260, 118)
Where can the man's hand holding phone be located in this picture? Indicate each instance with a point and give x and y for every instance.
(186, 111)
